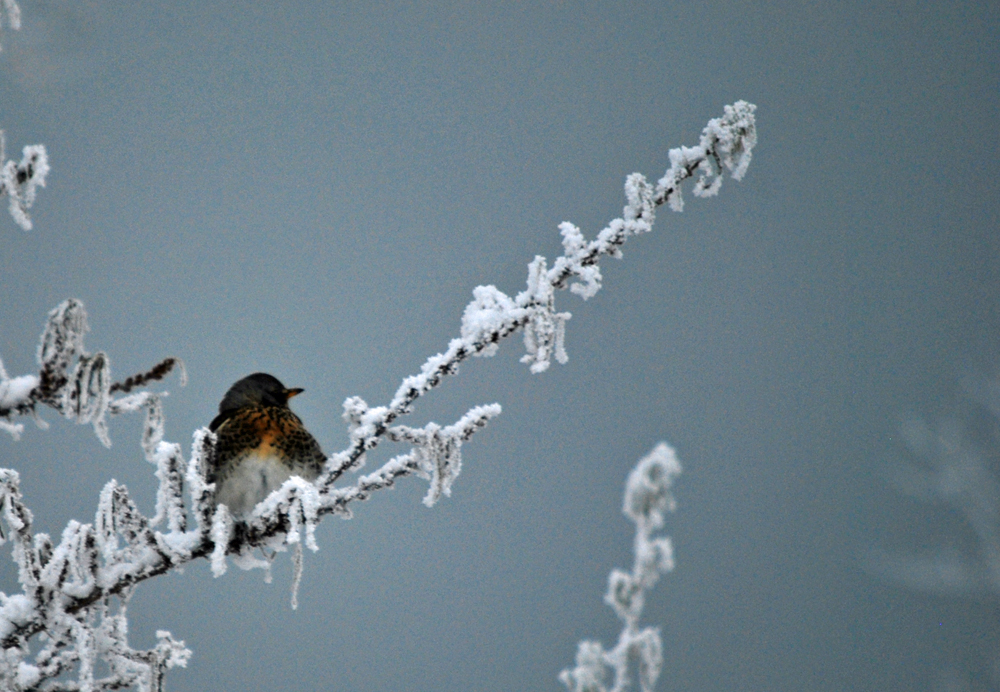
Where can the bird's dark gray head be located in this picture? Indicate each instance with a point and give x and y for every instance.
(259, 389)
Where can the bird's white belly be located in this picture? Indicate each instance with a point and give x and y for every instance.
(253, 480)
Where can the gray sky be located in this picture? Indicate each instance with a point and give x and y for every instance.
(315, 192)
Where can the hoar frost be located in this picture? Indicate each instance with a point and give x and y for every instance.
(639, 651)
(76, 591)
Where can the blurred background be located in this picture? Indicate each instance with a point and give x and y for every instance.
(314, 189)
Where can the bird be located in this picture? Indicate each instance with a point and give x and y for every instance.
(259, 444)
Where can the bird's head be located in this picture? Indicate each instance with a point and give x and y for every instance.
(259, 389)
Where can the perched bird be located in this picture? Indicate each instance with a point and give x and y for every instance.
(260, 444)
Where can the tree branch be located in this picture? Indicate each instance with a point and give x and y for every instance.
(69, 588)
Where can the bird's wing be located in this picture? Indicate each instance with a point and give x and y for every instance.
(237, 436)
(221, 418)
(299, 444)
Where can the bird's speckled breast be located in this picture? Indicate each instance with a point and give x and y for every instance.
(258, 449)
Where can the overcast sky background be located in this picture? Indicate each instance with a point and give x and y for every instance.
(314, 189)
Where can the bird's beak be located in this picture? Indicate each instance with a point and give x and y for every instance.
(289, 393)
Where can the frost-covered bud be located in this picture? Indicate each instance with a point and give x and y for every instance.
(152, 428)
(490, 313)
(572, 239)
(647, 492)
(647, 648)
(222, 531)
(20, 181)
(590, 671)
(639, 212)
(87, 397)
(545, 331)
(736, 132)
(15, 391)
(354, 408)
(169, 462)
(63, 336)
(15, 611)
(710, 180)
(625, 594)
(576, 250)
(171, 652)
(27, 675)
(653, 558)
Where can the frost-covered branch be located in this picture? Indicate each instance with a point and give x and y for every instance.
(73, 382)
(75, 592)
(638, 651)
(726, 144)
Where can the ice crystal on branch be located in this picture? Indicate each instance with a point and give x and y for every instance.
(20, 181)
(437, 454)
(647, 499)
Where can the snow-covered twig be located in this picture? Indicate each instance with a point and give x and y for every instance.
(69, 588)
(73, 382)
(20, 181)
(726, 144)
(647, 499)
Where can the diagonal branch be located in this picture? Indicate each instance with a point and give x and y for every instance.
(726, 144)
